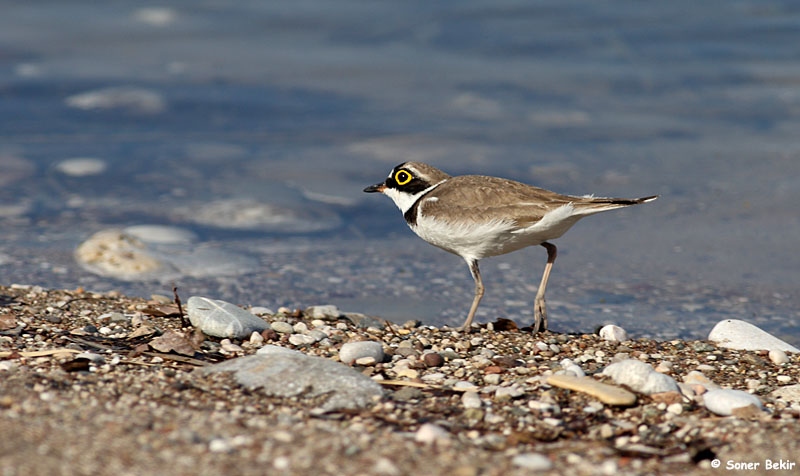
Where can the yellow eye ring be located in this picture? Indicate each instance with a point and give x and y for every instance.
(402, 177)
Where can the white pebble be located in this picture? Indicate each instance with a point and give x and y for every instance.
(352, 351)
(532, 462)
(256, 339)
(778, 357)
(724, 401)
(301, 339)
(613, 333)
(230, 347)
(432, 434)
(366, 361)
(261, 311)
(640, 377)
(282, 327)
(471, 400)
(675, 408)
(783, 378)
(219, 445)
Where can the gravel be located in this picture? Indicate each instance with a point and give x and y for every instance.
(141, 410)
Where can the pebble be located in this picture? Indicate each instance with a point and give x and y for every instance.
(96, 359)
(491, 379)
(736, 334)
(532, 462)
(408, 373)
(228, 346)
(507, 393)
(664, 367)
(256, 339)
(366, 361)
(698, 378)
(223, 319)
(571, 368)
(432, 434)
(783, 378)
(282, 327)
(261, 311)
(471, 400)
(433, 359)
(435, 377)
(778, 357)
(276, 349)
(461, 384)
(352, 351)
(724, 401)
(362, 321)
(542, 346)
(675, 408)
(613, 333)
(640, 377)
(301, 339)
(607, 394)
(327, 312)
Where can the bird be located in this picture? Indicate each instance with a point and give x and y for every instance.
(478, 216)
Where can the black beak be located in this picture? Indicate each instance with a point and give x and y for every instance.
(378, 187)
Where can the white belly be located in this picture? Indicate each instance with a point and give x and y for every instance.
(496, 237)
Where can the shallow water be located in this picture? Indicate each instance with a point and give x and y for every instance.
(256, 126)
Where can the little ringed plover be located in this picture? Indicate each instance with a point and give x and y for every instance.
(476, 216)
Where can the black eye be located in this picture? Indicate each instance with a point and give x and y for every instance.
(402, 177)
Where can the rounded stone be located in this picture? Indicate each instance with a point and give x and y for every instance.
(433, 359)
(352, 351)
(778, 357)
(282, 327)
(724, 401)
(222, 319)
(640, 377)
(471, 400)
(613, 333)
(532, 462)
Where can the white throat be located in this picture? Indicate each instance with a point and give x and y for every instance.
(405, 200)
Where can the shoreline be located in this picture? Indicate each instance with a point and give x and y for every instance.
(92, 379)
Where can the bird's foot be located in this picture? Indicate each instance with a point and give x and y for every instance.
(539, 315)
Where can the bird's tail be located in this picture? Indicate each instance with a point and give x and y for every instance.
(591, 205)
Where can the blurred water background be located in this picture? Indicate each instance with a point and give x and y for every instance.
(254, 126)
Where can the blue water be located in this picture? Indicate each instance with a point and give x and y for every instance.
(301, 104)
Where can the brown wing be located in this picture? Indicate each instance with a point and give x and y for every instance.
(479, 198)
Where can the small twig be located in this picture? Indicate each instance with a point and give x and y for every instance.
(180, 307)
(388, 324)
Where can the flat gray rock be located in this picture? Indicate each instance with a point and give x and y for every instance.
(223, 319)
(741, 335)
(640, 377)
(286, 374)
